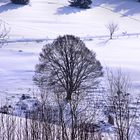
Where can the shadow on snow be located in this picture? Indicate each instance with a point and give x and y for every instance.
(66, 10)
(128, 7)
(9, 6)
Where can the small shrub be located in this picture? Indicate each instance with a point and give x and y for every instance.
(85, 4)
(20, 1)
(5, 109)
(23, 97)
(112, 28)
(4, 31)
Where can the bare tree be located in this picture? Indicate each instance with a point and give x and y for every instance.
(112, 28)
(4, 31)
(68, 66)
(68, 70)
(119, 106)
(75, 121)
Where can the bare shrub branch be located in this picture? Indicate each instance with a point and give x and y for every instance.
(112, 28)
(120, 105)
(4, 31)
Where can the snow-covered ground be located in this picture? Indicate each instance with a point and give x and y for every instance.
(17, 62)
(46, 19)
(54, 17)
(33, 25)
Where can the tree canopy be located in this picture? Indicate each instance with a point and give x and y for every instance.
(67, 66)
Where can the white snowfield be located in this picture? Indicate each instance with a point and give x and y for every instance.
(46, 19)
(50, 18)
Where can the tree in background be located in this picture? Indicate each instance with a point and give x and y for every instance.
(85, 4)
(20, 1)
(112, 28)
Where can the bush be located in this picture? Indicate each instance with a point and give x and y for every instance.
(81, 3)
(4, 32)
(20, 1)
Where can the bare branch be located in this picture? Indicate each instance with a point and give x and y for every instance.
(112, 28)
(4, 31)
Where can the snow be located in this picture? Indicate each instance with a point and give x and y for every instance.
(34, 25)
(43, 20)
(51, 18)
(17, 62)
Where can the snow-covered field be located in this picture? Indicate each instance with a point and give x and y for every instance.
(46, 19)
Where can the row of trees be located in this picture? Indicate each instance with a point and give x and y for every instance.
(84, 4)
(76, 3)
(59, 123)
(32, 128)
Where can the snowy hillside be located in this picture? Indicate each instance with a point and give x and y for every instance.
(43, 19)
(34, 25)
